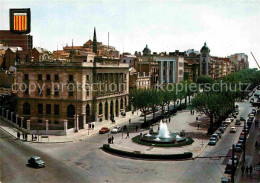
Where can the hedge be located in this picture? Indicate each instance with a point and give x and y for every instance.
(136, 140)
(186, 155)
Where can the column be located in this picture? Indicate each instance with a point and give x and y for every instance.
(65, 126)
(28, 125)
(77, 122)
(167, 71)
(16, 119)
(7, 112)
(3, 110)
(84, 119)
(161, 72)
(22, 122)
(12, 113)
(47, 125)
(173, 71)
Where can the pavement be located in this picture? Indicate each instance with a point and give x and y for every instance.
(80, 135)
(252, 157)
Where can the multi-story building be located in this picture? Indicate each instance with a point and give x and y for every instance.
(170, 66)
(139, 80)
(68, 95)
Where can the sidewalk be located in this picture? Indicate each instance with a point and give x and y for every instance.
(252, 157)
(82, 134)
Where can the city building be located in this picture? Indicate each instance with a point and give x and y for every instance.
(139, 80)
(71, 94)
(204, 60)
(40, 54)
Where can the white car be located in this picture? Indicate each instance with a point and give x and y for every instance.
(228, 121)
(116, 129)
(233, 129)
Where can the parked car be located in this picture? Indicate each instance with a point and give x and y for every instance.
(235, 161)
(215, 136)
(228, 169)
(238, 122)
(251, 115)
(231, 118)
(233, 129)
(252, 100)
(238, 148)
(104, 130)
(240, 141)
(212, 141)
(228, 121)
(241, 137)
(222, 129)
(219, 133)
(236, 111)
(116, 129)
(241, 145)
(36, 161)
(242, 118)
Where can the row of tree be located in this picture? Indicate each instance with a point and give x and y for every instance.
(216, 99)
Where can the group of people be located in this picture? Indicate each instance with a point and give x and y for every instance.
(24, 135)
(91, 126)
(247, 169)
(110, 140)
(192, 112)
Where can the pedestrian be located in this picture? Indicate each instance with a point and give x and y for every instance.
(177, 102)
(191, 112)
(133, 112)
(127, 134)
(26, 136)
(112, 139)
(23, 136)
(89, 125)
(108, 140)
(32, 137)
(197, 118)
(18, 135)
(242, 169)
(136, 128)
(129, 121)
(93, 126)
(251, 169)
(35, 138)
(246, 169)
(169, 120)
(198, 126)
(256, 144)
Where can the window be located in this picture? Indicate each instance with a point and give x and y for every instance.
(39, 121)
(48, 92)
(39, 77)
(56, 122)
(70, 93)
(26, 77)
(70, 77)
(56, 109)
(48, 108)
(48, 77)
(56, 77)
(87, 78)
(84, 60)
(124, 61)
(40, 92)
(26, 92)
(40, 109)
(56, 92)
(87, 92)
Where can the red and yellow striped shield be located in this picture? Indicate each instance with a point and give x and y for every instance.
(20, 21)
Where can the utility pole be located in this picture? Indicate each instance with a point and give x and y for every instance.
(233, 164)
(244, 142)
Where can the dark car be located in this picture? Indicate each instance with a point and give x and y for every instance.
(242, 118)
(238, 149)
(36, 161)
(222, 129)
(241, 137)
(238, 122)
(240, 141)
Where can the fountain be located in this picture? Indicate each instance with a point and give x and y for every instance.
(162, 136)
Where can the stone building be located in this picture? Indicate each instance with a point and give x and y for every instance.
(204, 60)
(139, 80)
(69, 95)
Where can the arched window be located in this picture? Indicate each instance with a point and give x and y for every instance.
(70, 111)
(100, 108)
(121, 104)
(26, 108)
(87, 110)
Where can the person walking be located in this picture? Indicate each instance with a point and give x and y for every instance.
(191, 112)
(250, 169)
(197, 118)
(26, 136)
(136, 128)
(23, 136)
(127, 134)
(129, 121)
(112, 139)
(32, 137)
(243, 169)
(18, 135)
(246, 169)
(256, 144)
(198, 126)
(169, 120)
(133, 112)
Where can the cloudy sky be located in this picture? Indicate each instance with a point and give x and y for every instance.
(227, 26)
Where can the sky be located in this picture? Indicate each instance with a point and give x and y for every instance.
(228, 27)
